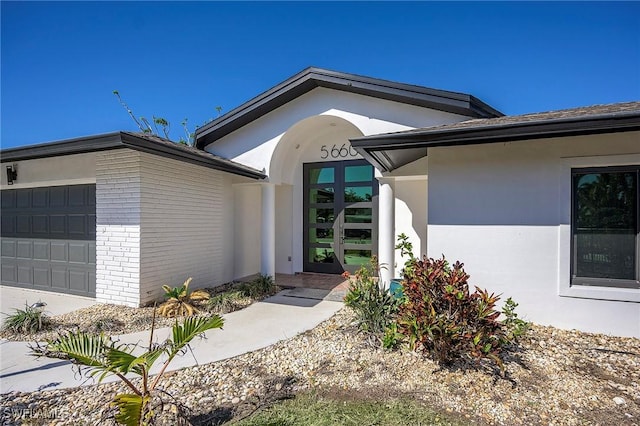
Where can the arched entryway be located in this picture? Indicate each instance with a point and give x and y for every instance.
(326, 198)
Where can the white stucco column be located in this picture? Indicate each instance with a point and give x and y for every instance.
(268, 240)
(386, 230)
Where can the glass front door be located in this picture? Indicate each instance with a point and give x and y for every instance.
(340, 224)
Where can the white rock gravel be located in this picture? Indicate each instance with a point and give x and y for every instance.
(572, 379)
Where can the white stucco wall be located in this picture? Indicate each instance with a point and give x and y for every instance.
(54, 171)
(255, 143)
(284, 230)
(247, 227)
(504, 210)
(410, 216)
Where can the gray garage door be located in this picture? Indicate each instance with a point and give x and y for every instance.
(49, 239)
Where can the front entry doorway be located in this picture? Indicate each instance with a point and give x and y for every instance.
(340, 216)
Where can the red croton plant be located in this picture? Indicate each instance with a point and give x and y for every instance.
(441, 317)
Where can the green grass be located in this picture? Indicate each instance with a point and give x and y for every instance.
(313, 410)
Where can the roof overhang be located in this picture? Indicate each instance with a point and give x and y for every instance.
(310, 78)
(390, 151)
(119, 140)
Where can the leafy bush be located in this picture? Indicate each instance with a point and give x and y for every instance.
(514, 326)
(103, 356)
(375, 307)
(443, 318)
(27, 321)
(181, 301)
(226, 302)
(260, 287)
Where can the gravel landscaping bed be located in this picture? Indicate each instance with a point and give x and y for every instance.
(555, 377)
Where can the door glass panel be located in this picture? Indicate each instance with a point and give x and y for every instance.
(357, 257)
(322, 175)
(358, 173)
(321, 195)
(360, 215)
(357, 236)
(321, 255)
(605, 225)
(355, 194)
(320, 215)
(321, 235)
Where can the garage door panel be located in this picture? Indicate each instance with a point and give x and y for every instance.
(8, 248)
(8, 199)
(41, 250)
(23, 199)
(59, 277)
(25, 274)
(78, 281)
(77, 225)
(9, 273)
(8, 224)
(41, 277)
(77, 196)
(78, 253)
(59, 251)
(23, 225)
(57, 225)
(24, 250)
(58, 196)
(40, 198)
(91, 195)
(48, 238)
(40, 224)
(91, 226)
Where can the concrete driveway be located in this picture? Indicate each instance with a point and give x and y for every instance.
(12, 298)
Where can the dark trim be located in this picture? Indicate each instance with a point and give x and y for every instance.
(373, 147)
(119, 140)
(310, 78)
(65, 147)
(338, 206)
(578, 281)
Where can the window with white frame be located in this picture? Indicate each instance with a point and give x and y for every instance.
(604, 227)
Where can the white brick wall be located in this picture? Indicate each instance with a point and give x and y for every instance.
(118, 227)
(159, 221)
(184, 223)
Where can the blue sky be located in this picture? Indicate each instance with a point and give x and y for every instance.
(62, 61)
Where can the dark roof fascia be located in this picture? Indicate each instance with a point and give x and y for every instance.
(120, 140)
(310, 78)
(66, 147)
(174, 152)
(373, 147)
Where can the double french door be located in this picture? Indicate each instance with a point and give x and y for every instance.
(340, 216)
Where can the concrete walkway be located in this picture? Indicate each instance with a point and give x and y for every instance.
(260, 325)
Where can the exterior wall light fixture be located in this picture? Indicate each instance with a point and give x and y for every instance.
(12, 174)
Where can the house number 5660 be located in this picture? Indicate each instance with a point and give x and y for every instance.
(336, 151)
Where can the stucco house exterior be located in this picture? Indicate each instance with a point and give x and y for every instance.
(324, 170)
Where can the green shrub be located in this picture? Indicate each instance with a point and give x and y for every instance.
(27, 321)
(226, 302)
(260, 287)
(375, 307)
(514, 326)
(447, 321)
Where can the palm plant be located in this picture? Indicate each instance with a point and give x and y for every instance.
(180, 301)
(102, 356)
